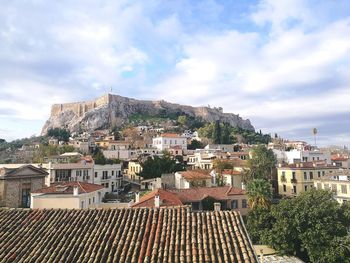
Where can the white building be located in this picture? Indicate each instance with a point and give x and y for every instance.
(67, 195)
(221, 147)
(295, 156)
(190, 179)
(169, 140)
(109, 175)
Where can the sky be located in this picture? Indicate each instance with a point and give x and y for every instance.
(285, 64)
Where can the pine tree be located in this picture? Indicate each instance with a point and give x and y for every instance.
(217, 133)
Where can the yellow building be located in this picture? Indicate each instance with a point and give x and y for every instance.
(338, 182)
(134, 168)
(296, 178)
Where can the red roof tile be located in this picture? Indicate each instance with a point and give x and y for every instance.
(167, 199)
(195, 174)
(123, 235)
(199, 193)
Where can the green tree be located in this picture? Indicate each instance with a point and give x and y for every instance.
(155, 166)
(195, 145)
(261, 164)
(60, 134)
(99, 158)
(182, 120)
(259, 222)
(312, 226)
(259, 194)
(226, 134)
(217, 133)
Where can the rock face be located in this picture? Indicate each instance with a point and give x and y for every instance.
(113, 110)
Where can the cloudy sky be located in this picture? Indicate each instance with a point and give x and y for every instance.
(283, 64)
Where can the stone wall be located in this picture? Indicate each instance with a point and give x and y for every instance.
(13, 189)
(80, 108)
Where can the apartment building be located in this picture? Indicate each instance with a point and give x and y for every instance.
(193, 178)
(338, 182)
(169, 140)
(109, 176)
(294, 179)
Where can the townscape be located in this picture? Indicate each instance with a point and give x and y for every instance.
(181, 131)
(166, 174)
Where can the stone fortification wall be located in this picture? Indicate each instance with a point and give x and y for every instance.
(79, 108)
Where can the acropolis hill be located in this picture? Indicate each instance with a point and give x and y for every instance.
(113, 110)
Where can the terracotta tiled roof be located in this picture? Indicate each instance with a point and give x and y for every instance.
(199, 193)
(170, 135)
(167, 199)
(67, 188)
(195, 174)
(232, 172)
(123, 235)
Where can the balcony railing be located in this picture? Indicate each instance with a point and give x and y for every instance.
(293, 181)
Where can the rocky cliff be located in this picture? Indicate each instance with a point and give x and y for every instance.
(113, 110)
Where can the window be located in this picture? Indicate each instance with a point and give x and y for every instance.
(284, 188)
(104, 175)
(344, 189)
(334, 187)
(93, 199)
(244, 203)
(25, 197)
(305, 176)
(234, 204)
(305, 188)
(311, 175)
(323, 173)
(294, 189)
(283, 173)
(319, 174)
(89, 201)
(112, 173)
(95, 174)
(78, 173)
(293, 175)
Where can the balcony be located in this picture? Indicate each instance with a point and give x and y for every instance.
(293, 181)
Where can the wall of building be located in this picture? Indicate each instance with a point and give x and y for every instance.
(55, 201)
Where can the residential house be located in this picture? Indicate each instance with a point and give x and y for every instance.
(193, 178)
(169, 140)
(295, 156)
(221, 147)
(341, 160)
(229, 177)
(68, 195)
(294, 179)
(16, 184)
(124, 235)
(65, 172)
(109, 175)
(151, 184)
(338, 182)
(134, 168)
(200, 198)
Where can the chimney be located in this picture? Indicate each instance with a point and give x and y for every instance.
(217, 207)
(137, 197)
(156, 201)
(75, 190)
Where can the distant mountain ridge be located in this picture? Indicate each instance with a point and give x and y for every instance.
(113, 110)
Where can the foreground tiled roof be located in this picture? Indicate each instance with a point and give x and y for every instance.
(123, 235)
(67, 188)
(167, 199)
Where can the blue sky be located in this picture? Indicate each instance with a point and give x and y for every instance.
(283, 64)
